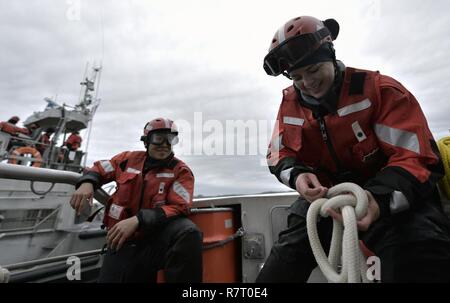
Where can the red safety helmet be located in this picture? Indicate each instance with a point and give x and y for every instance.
(160, 125)
(296, 40)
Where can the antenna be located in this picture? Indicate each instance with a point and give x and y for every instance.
(96, 74)
(84, 77)
(103, 37)
(97, 70)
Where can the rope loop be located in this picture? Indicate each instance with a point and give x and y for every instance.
(352, 201)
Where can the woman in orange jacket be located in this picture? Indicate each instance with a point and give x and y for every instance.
(339, 124)
(148, 229)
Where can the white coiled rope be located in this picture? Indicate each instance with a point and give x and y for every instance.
(344, 241)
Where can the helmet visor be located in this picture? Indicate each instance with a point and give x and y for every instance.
(292, 51)
(159, 138)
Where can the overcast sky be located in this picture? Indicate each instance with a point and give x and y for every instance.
(179, 59)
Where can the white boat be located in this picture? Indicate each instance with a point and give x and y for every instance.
(39, 231)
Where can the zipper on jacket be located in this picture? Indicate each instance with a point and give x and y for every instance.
(144, 182)
(326, 139)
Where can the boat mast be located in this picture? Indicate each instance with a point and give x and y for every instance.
(88, 99)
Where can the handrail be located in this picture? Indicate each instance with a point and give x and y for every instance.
(19, 172)
(16, 266)
(25, 140)
(57, 272)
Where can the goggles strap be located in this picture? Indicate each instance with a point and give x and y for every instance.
(286, 75)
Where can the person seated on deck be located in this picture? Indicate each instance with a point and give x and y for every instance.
(146, 218)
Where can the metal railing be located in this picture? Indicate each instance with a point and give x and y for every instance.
(26, 173)
(48, 260)
(45, 267)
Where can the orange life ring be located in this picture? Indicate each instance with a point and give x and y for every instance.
(21, 151)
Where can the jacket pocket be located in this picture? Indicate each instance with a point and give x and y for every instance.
(160, 197)
(126, 187)
(115, 212)
(292, 137)
(367, 152)
(120, 206)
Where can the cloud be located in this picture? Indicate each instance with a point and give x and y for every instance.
(178, 58)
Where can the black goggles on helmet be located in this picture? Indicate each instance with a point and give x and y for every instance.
(158, 138)
(292, 51)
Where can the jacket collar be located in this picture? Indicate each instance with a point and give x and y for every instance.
(151, 163)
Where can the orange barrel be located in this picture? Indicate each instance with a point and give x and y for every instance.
(219, 247)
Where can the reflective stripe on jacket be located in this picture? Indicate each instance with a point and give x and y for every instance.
(169, 188)
(379, 134)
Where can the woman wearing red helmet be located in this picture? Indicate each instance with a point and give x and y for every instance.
(146, 217)
(339, 124)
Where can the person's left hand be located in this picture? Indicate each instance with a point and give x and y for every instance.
(121, 232)
(373, 213)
